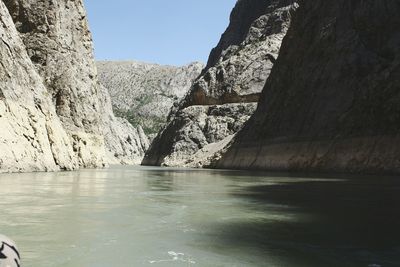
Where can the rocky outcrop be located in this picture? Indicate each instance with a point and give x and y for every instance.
(54, 114)
(197, 132)
(233, 80)
(241, 63)
(144, 93)
(32, 137)
(332, 100)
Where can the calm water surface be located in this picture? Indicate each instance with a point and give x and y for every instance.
(136, 216)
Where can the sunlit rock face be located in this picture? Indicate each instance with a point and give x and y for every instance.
(58, 42)
(232, 81)
(56, 37)
(332, 100)
(32, 137)
(143, 93)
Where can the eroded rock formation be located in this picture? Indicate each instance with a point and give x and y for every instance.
(331, 102)
(232, 81)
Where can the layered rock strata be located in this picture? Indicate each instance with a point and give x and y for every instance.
(232, 80)
(331, 102)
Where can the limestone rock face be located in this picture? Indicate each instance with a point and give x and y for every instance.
(235, 74)
(58, 42)
(32, 137)
(144, 93)
(53, 112)
(332, 101)
(57, 39)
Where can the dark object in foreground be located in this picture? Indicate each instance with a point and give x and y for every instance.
(9, 255)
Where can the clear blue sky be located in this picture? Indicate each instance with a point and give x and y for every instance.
(173, 32)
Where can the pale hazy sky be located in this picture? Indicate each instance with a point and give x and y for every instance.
(172, 32)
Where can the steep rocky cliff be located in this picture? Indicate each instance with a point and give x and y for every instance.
(332, 101)
(31, 135)
(144, 93)
(232, 81)
(56, 50)
(56, 36)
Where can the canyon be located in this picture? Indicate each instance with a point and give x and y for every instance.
(291, 86)
(283, 149)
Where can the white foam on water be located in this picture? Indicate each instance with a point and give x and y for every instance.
(175, 256)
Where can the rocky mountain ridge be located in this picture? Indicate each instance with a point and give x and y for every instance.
(143, 93)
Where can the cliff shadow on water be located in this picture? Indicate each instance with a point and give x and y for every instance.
(337, 220)
(294, 219)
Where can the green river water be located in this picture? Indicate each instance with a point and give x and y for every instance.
(141, 216)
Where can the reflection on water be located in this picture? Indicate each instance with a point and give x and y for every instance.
(135, 216)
